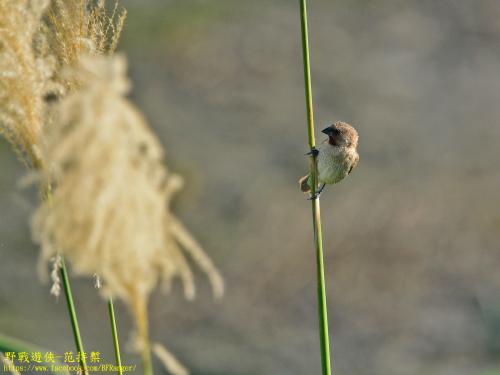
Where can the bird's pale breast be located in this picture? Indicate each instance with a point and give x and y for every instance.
(334, 163)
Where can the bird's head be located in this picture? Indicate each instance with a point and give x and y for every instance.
(341, 134)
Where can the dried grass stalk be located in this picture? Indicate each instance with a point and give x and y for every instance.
(26, 69)
(39, 40)
(171, 363)
(7, 363)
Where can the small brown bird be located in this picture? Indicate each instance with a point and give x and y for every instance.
(336, 157)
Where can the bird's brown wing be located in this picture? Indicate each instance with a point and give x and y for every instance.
(354, 163)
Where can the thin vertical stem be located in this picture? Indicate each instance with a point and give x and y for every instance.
(139, 305)
(316, 215)
(47, 196)
(307, 73)
(72, 315)
(116, 343)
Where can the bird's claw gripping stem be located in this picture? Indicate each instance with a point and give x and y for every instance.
(318, 193)
(314, 152)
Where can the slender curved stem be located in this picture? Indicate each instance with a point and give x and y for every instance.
(316, 215)
(72, 314)
(47, 196)
(116, 343)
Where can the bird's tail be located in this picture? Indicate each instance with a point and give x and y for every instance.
(304, 184)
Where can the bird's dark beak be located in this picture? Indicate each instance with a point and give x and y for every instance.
(328, 131)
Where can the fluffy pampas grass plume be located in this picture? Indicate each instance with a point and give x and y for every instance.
(109, 213)
(107, 192)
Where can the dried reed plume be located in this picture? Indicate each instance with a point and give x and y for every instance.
(109, 211)
(26, 69)
(79, 28)
(39, 40)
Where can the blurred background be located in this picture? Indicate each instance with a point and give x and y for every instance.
(411, 237)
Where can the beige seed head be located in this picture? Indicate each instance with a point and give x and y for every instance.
(55, 289)
(79, 28)
(25, 76)
(109, 211)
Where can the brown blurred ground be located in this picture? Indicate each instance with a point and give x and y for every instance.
(412, 237)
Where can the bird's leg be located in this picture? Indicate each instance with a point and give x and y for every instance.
(318, 193)
(314, 152)
(320, 189)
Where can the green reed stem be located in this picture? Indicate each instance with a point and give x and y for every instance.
(316, 215)
(72, 315)
(47, 196)
(116, 344)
